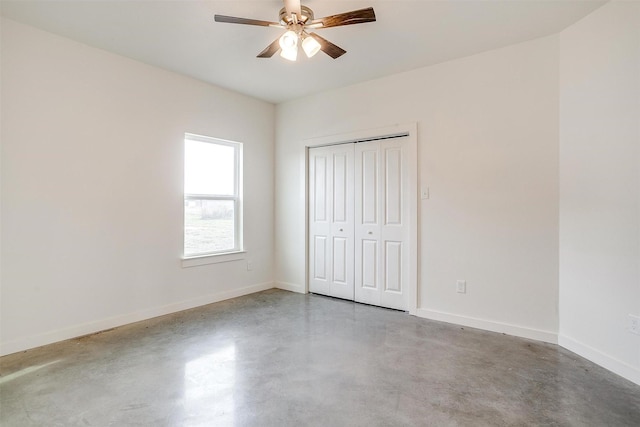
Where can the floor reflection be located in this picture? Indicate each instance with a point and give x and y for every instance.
(26, 371)
(209, 387)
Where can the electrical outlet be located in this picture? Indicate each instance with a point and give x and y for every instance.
(461, 286)
(634, 324)
(249, 265)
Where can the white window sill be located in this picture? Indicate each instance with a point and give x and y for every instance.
(212, 259)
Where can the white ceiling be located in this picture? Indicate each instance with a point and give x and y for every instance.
(181, 36)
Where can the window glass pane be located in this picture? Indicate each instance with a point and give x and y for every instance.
(208, 226)
(209, 168)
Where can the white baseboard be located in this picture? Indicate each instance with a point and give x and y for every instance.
(75, 331)
(599, 358)
(290, 287)
(489, 325)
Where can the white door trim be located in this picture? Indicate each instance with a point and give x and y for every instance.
(411, 132)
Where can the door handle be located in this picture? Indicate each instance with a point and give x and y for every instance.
(340, 229)
(370, 232)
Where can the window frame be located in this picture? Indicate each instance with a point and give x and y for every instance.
(229, 254)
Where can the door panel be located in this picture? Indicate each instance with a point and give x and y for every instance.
(320, 189)
(393, 186)
(321, 230)
(369, 185)
(340, 173)
(331, 190)
(320, 258)
(393, 266)
(369, 261)
(381, 176)
(394, 233)
(340, 260)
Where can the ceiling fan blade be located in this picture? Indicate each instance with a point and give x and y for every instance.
(348, 18)
(270, 50)
(247, 21)
(329, 48)
(293, 6)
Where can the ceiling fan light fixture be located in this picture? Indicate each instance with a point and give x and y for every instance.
(289, 40)
(290, 53)
(310, 46)
(295, 19)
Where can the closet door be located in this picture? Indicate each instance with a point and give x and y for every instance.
(381, 223)
(331, 215)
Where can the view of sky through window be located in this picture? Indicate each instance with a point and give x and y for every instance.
(209, 168)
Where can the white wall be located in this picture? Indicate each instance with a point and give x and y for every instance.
(600, 186)
(488, 151)
(92, 151)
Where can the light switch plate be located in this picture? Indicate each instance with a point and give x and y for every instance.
(634, 324)
(424, 194)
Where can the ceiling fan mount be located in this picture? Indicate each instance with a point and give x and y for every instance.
(306, 15)
(296, 20)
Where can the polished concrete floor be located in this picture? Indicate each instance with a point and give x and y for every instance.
(282, 359)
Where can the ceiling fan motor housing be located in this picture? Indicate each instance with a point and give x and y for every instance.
(307, 16)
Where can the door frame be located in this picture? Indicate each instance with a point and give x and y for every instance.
(408, 130)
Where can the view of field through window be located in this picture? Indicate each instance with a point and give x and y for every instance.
(208, 226)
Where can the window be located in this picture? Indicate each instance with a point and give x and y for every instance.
(212, 196)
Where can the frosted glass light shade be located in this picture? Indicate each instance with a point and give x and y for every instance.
(289, 45)
(288, 40)
(291, 53)
(310, 46)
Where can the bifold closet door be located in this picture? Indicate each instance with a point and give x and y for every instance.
(382, 223)
(331, 217)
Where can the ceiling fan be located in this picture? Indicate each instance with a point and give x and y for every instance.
(297, 19)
